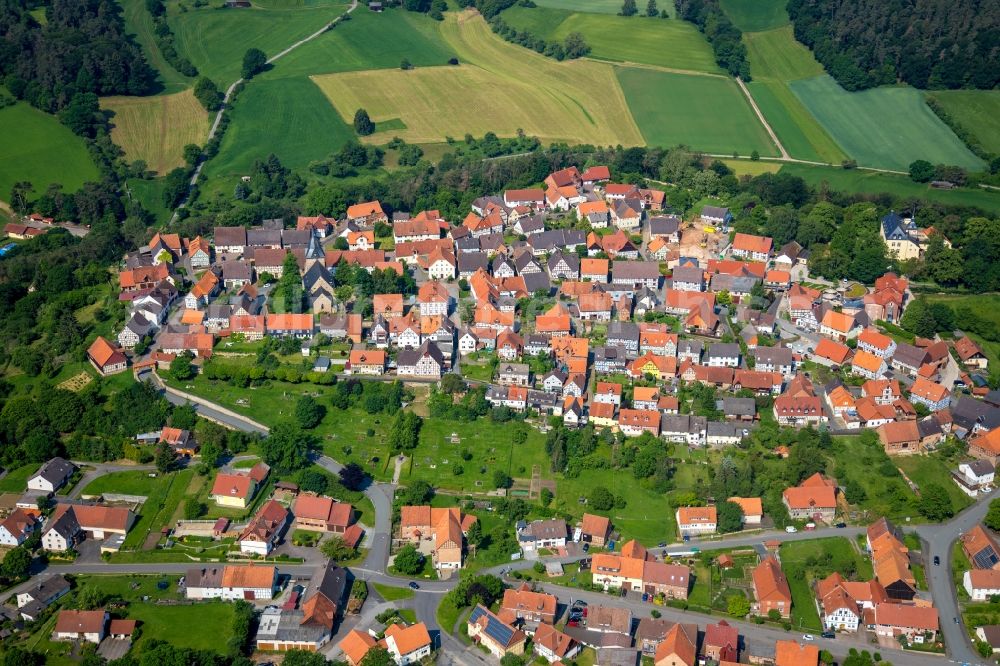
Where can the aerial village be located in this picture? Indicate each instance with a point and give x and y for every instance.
(639, 303)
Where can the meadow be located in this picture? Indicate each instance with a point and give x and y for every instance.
(139, 22)
(978, 111)
(702, 112)
(883, 127)
(775, 54)
(872, 182)
(150, 194)
(555, 104)
(622, 39)
(288, 117)
(799, 132)
(206, 35)
(37, 148)
(156, 129)
(593, 6)
(755, 15)
(368, 41)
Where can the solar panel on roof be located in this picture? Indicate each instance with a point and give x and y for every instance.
(986, 558)
(498, 631)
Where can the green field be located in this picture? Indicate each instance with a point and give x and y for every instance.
(883, 127)
(755, 15)
(775, 54)
(870, 182)
(704, 113)
(978, 111)
(36, 147)
(796, 128)
(206, 35)
(288, 117)
(201, 626)
(139, 22)
(150, 194)
(156, 129)
(368, 41)
(594, 6)
(621, 39)
(126, 483)
(16, 478)
(923, 470)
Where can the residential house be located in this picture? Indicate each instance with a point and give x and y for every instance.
(489, 631)
(876, 343)
(748, 246)
(105, 358)
(444, 528)
(980, 546)
(366, 362)
(537, 534)
(686, 428)
(17, 527)
(81, 625)
(932, 395)
(722, 642)
(554, 646)
(813, 499)
(595, 530)
(770, 588)
(426, 361)
(970, 353)
(696, 520)
(40, 594)
(715, 216)
(233, 490)
(688, 278)
(265, 529)
(981, 584)
(52, 475)
(790, 653)
(678, 648)
(231, 582)
(752, 508)
(918, 624)
(634, 422)
(975, 476)
(723, 355)
(527, 606)
(899, 239)
(839, 326)
(868, 365)
(774, 359)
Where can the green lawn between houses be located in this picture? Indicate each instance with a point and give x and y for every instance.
(16, 478)
(798, 562)
(139, 482)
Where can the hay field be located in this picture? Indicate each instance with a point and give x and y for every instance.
(492, 90)
(156, 129)
(775, 54)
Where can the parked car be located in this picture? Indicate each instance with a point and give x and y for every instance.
(840, 526)
(807, 637)
(791, 529)
(937, 561)
(414, 586)
(828, 634)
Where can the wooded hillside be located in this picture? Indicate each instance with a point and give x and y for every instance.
(926, 43)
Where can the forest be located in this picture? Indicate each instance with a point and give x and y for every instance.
(82, 48)
(925, 43)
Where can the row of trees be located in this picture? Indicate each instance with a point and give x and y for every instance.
(726, 39)
(165, 39)
(573, 45)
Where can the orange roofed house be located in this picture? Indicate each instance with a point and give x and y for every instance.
(748, 246)
(790, 653)
(770, 589)
(813, 499)
(443, 527)
(322, 514)
(106, 358)
(367, 214)
(595, 530)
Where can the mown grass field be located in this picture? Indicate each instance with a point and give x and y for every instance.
(755, 15)
(202, 626)
(883, 127)
(871, 182)
(36, 147)
(126, 483)
(156, 129)
(288, 117)
(978, 111)
(555, 103)
(775, 54)
(16, 478)
(139, 22)
(368, 41)
(749, 168)
(702, 112)
(593, 6)
(208, 36)
(622, 39)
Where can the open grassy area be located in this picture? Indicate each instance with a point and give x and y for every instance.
(622, 39)
(126, 483)
(752, 15)
(871, 182)
(593, 6)
(392, 593)
(883, 127)
(776, 54)
(927, 469)
(132, 587)
(139, 22)
(206, 35)
(37, 148)
(705, 113)
(16, 478)
(368, 41)
(156, 129)
(150, 194)
(201, 626)
(162, 500)
(978, 111)
(288, 117)
(555, 103)
(807, 561)
(749, 168)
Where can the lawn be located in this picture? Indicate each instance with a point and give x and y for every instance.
(206, 35)
(594, 6)
(555, 102)
(125, 483)
(288, 117)
(139, 22)
(37, 148)
(16, 478)
(150, 194)
(978, 111)
(927, 469)
(368, 41)
(121, 587)
(798, 561)
(156, 129)
(704, 113)
(392, 593)
(200, 626)
(871, 182)
(162, 500)
(754, 15)
(883, 127)
(622, 39)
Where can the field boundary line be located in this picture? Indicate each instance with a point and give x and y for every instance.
(760, 116)
(658, 68)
